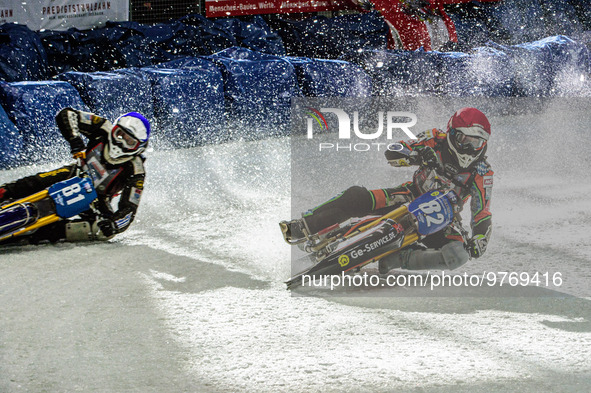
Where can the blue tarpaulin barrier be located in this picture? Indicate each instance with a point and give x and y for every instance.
(257, 88)
(130, 44)
(398, 72)
(475, 24)
(94, 50)
(530, 20)
(486, 72)
(203, 36)
(518, 21)
(32, 107)
(253, 34)
(11, 142)
(110, 94)
(22, 55)
(65, 51)
(539, 66)
(188, 97)
(330, 78)
(492, 72)
(330, 38)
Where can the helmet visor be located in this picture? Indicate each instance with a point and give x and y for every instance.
(124, 139)
(467, 141)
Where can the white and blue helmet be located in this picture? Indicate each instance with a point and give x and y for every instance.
(129, 137)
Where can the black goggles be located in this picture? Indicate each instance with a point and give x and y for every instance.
(464, 140)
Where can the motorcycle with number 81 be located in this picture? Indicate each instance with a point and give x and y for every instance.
(62, 200)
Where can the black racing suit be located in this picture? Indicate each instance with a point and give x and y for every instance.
(474, 182)
(124, 178)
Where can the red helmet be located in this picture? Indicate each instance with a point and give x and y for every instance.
(468, 131)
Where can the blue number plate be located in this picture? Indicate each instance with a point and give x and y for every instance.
(433, 211)
(72, 196)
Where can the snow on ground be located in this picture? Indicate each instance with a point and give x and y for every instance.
(191, 297)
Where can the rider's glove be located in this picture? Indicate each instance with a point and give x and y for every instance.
(107, 227)
(429, 157)
(476, 246)
(77, 146)
(67, 121)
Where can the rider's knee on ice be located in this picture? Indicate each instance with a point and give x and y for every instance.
(357, 200)
(449, 257)
(454, 254)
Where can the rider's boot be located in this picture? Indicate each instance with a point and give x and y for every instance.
(294, 231)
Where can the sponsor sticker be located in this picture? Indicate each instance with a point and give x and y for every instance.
(343, 260)
(135, 196)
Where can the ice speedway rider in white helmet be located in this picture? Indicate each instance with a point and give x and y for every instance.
(114, 161)
(460, 154)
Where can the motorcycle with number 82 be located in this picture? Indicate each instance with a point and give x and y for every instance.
(348, 246)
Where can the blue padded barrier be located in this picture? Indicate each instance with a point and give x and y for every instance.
(94, 50)
(518, 21)
(110, 94)
(474, 23)
(454, 71)
(131, 44)
(32, 107)
(66, 51)
(583, 12)
(330, 78)
(201, 36)
(258, 89)
(492, 71)
(11, 142)
(560, 17)
(321, 37)
(398, 72)
(188, 97)
(253, 34)
(486, 72)
(540, 66)
(521, 19)
(22, 55)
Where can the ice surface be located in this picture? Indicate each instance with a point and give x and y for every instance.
(191, 298)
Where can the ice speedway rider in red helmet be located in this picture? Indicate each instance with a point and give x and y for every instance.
(114, 160)
(460, 154)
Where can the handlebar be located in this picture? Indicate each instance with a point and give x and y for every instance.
(80, 158)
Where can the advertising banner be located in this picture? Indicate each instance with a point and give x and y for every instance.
(63, 14)
(225, 8)
(222, 8)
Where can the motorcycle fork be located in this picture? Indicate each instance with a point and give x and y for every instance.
(31, 198)
(50, 219)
